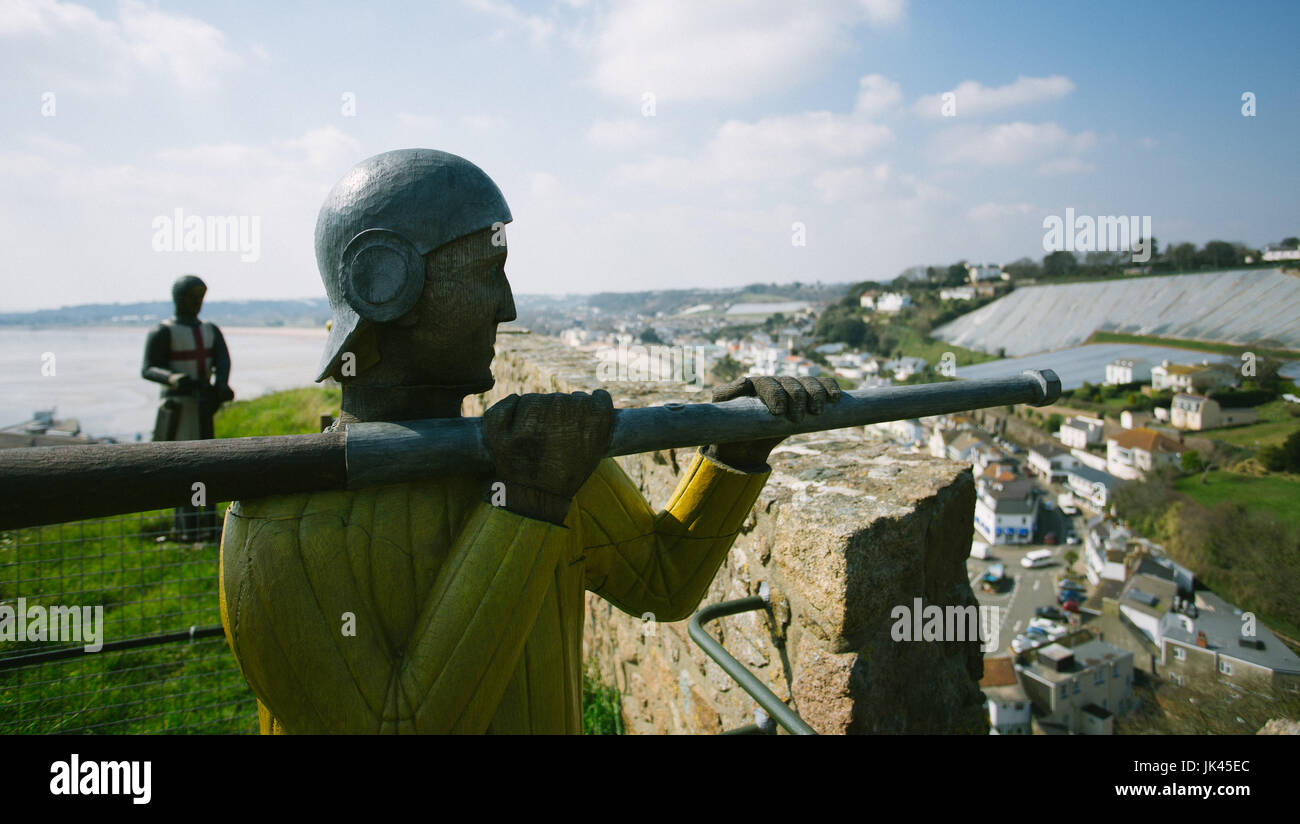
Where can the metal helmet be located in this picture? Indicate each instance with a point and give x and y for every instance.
(182, 285)
(378, 223)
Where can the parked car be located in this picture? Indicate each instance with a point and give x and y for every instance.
(1024, 642)
(1066, 583)
(1070, 606)
(1069, 595)
(1036, 558)
(1050, 539)
(1073, 540)
(1050, 612)
(1051, 629)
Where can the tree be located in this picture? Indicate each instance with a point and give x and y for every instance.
(649, 335)
(1183, 256)
(1191, 461)
(1218, 457)
(1219, 254)
(1022, 269)
(1291, 243)
(957, 274)
(1059, 263)
(727, 369)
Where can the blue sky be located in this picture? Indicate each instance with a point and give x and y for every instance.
(765, 114)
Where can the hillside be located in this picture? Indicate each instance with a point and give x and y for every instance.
(1241, 306)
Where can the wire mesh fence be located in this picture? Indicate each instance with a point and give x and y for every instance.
(156, 662)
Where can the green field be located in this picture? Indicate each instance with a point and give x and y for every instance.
(915, 345)
(148, 587)
(1194, 345)
(1277, 493)
(1277, 419)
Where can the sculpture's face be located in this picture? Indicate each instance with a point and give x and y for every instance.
(454, 326)
(192, 300)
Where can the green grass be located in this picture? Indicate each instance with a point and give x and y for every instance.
(916, 345)
(1275, 423)
(1276, 493)
(146, 588)
(602, 712)
(292, 412)
(1194, 345)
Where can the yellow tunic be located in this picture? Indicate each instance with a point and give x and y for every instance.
(467, 617)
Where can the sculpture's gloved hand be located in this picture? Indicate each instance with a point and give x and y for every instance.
(181, 382)
(224, 394)
(788, 396)
(545, 446)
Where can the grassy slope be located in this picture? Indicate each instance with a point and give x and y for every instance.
(146, 588)
(1278, 493)
(1194, 345)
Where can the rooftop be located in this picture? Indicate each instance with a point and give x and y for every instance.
(1221, 622)
(1147, 440)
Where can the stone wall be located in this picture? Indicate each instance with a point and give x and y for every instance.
(846, 530)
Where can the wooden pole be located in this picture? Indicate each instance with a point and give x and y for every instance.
(44, 485)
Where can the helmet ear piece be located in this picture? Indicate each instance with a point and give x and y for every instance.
(382, 275)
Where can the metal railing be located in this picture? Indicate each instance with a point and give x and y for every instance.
(159, 661)
(772, 708)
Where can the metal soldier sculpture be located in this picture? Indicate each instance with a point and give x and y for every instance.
(456, 604)
(184, 354)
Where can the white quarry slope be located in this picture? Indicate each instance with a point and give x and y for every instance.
(1241, 306)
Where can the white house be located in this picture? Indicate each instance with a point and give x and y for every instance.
(1092, 486)
(984, 271)
(893, 302)
(1132, 419)
(1077, 432)
(1275, 251)
(1008, 707)
(1198, 412)
(1105, 550)
(1134, 452)
(1181, 377)
(1081, 688)
(1128, 370)
(1051, 462)
(904, 367)
(957, 293)
(1006, 512)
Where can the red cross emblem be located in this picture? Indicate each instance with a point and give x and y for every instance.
(199, 353)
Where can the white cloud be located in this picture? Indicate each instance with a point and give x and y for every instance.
(109, 208)
(973, 98)
(1010, 144)
(884, 12)
(1148, 143)
(684, 50)
(995, 211)
(624, 133)
(876, 94)
(539, 29)
(774, 148)
(65, 46)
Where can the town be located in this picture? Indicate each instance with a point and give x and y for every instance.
(1099, 623)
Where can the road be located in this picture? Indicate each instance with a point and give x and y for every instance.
(1026, 589)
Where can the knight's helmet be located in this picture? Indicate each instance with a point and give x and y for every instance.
(183, 285)
(378, 223)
